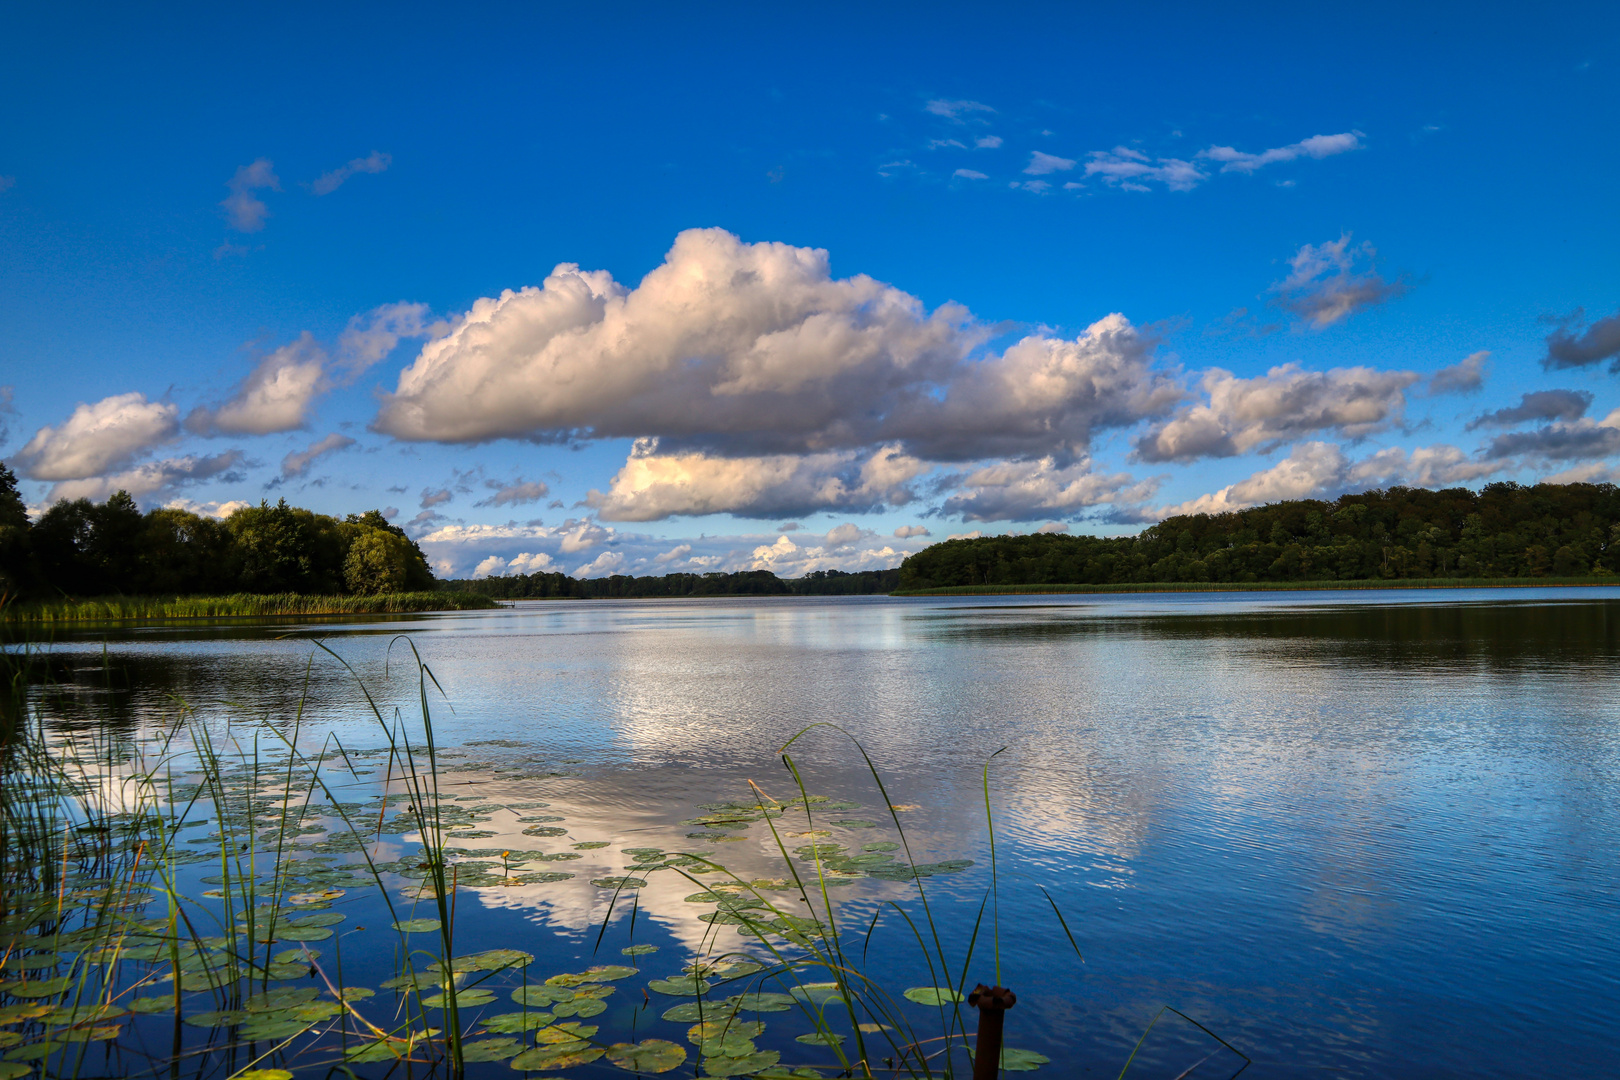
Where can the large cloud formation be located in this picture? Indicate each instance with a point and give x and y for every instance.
(1277, 407)
(745, 349)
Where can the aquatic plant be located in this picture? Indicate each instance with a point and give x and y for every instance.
(131, 944)
(238, 605)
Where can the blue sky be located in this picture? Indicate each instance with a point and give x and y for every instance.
(914, 271)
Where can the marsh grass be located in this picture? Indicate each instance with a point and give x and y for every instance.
(112, 962)
(240, 605)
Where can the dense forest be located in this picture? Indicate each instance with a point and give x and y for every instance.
(1503, 531)
(742, 583)
(78, 548)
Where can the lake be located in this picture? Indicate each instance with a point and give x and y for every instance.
(1357, 834)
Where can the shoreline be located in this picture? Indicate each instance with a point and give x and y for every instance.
(236, 606)
(1264, 586)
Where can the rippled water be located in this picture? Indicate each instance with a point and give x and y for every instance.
(1356, 834)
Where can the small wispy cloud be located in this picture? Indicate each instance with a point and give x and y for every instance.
(375, 162)
(1044, 164)
(970, 174)
(956, 110)
(1570, 346)
(987, 142)
(1317, 146)
(244, 210)
(298, 462)
(1325, 286)
(1132, 170)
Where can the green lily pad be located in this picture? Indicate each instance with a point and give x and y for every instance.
(513, 1023)
(695, 1011)
(302, 933)
(1015, 1060)
(263, 1074)
(680, 986)
(580, 1007)
(740, 1066)
(271, 1029)
(281, 998)
(881, 845)
(563, 1056)
(933, 995)
(157, 1003)
(221, 1018)
(618, 882)
(418, 926)
(544, 830)
(11, 1070)
(821, 1038)
(763, 1001)
(818, 993)
(31, 962)
(491, 1050)
(493, 960)
(638, 950)
(610, 972)
(729, 1027)
(319, 918)
(465, 999)
(856, 823)
(541, 995)
(355, 993)
(590, 845)
(561, 1033)
(648, 1055)
(40, 988)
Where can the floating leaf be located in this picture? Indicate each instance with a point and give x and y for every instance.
(648, 1055)
(418, 926)
(466, 999)
(320, 897)
(281, 998)
(355, 993)
(818, 993)
(590, 845)
(680, 986)
(31, 962)
(493, 960)
(491, 1050)
(319, 918)
(159, 1003)
(821, 1038)
(541, 995)
(1015, 1060)
(933, 995)
(730, 1027)
(270, 1028)
(302, 933)
(34, 1051)
(543, 830)
(580, 1007)
(512, 1023)
(562, 1033)
(610, 972)
(40, 988)
(638, 950)
(11, 1070)
(222, 1018)
(881, 845)
(856, 823)
(740, 1066)
(618, 882)
(565, 1056)
(263, 1074)
(762, 1001)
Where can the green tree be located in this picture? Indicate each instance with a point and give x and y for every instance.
(378, 562)
(17, 572)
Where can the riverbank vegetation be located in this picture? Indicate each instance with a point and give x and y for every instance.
(1503, 534)
(240, 605)
(742, 583)
(82, 549)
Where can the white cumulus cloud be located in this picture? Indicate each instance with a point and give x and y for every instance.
(1028, 490)
(298, 463)
(98, 437)
(1327, 286)
(1284, 404)
(153, 477)
(275, 396)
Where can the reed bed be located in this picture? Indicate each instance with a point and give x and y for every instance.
(238, 605)
(1264, 586)
(173, 904)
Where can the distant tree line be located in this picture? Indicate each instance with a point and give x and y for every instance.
(742, 583)
(78, 548)
(1505, 530)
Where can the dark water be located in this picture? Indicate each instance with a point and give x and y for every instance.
(1360, 834)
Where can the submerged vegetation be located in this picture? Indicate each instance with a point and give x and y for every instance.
(243, 900)
(1503, 534)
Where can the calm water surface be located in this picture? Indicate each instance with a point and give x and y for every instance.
(1354, 834)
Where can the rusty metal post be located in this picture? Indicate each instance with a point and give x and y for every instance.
(992, 1003)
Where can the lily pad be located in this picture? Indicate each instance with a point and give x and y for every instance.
(648, 1055)
(590, 845)
(561, 1033)
(157, 1003)
(740, 1066)
(763, 1001)
(513, 1023)
(319, 918)
(465, 999)
(11, 1070)
(493, 960)
(544, 830)
(694, 1011)
(491, 1050)
(282, 998)
(729, 1027)
(933, 995)
(680, 986)
(541, 995)
(418, 926)
(818, 993)
(564, 1056)
(881, 845)
(821, 1038)
(272, 1029)
(40, 988)
(1015, 1060)
(34, 1051)
(610, 972)
(638, 950)
(302, 933)
(263, 1074)
(618, 882)
(580, 1007)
